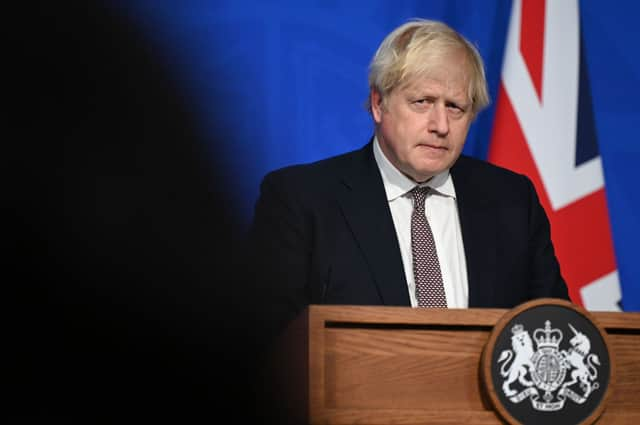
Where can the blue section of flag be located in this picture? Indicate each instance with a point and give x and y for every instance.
(586, 135)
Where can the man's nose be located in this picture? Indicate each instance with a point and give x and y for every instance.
(438, 120)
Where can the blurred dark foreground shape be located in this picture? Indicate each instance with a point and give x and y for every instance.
(122, 237)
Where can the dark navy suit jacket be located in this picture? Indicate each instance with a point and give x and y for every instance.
(323, 234)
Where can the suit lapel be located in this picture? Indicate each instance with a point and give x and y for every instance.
(478, 224)
(365, 208)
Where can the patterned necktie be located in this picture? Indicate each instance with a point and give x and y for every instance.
(426, 267)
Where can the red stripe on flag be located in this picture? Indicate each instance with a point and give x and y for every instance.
(532, 40)
(582, 238)
(580, 231)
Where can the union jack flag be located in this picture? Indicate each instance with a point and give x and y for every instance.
(544, 128)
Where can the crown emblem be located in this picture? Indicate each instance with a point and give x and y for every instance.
(547, 337)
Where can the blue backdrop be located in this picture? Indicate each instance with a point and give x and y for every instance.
(272, 83)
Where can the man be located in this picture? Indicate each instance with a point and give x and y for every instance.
(340, 231)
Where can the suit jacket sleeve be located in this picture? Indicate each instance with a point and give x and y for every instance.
(545, 277)
(278, 255)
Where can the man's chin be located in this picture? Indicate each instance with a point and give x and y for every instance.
(427, 171)
(425, 175)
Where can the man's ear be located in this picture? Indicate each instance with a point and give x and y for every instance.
(376, 105)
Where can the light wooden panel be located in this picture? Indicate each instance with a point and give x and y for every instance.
(402, 368)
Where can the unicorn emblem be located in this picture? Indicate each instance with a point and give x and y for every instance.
(579, 358)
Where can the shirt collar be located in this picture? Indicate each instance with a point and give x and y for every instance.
(397, 184)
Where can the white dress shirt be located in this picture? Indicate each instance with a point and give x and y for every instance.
(442, 213)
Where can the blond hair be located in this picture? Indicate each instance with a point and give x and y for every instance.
(416, 47)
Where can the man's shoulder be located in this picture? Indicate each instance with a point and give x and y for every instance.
(315, 170)
(480, 178)
(467, 167)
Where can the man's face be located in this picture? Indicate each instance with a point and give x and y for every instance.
(422, 126)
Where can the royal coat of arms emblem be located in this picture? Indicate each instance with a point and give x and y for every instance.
(546, 374)
(547, 361)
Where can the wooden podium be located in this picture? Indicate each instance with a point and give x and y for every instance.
(398, 365)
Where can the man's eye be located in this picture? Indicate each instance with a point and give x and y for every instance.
(423, 101)
(455, 110)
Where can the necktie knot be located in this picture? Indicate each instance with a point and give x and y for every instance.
(419, 194)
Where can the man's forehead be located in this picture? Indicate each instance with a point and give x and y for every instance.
(439, 84)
